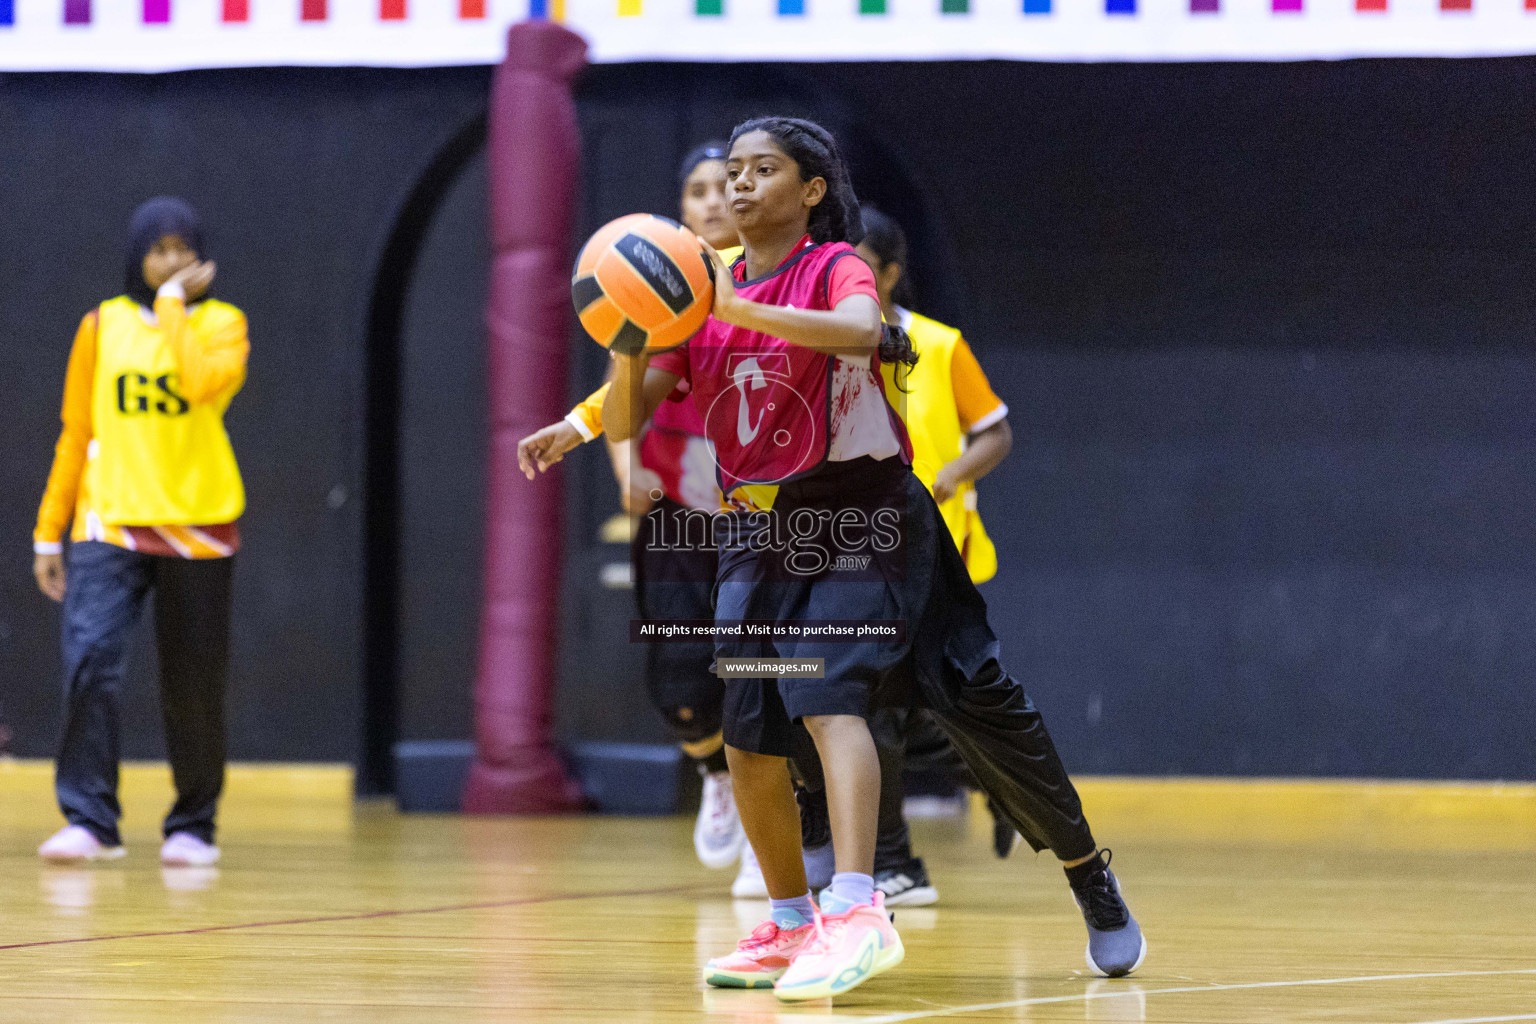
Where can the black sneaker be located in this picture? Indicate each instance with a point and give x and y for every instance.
(1004, 836)
(1116, 946)
(907, 886)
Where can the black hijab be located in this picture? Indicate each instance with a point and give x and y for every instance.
(152, 221)
(696, 156)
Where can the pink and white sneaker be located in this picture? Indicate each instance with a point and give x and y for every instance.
(846, 950)
(760, 958)
(74, 844)
(185, 850)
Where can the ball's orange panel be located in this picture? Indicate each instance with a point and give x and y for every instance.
(680, 330)
(602, 321)
(605, 236)
(695, 267)
(628, 290)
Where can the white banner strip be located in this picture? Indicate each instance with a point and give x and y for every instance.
(172, 35)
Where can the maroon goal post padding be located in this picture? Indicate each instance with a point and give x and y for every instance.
(533, 154)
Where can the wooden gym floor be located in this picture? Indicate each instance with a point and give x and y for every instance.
(1263, 902)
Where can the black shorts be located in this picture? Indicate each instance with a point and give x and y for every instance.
(759, 581)
(760, 714)
(675, 580)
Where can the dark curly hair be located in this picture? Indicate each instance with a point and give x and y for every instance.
(836, 218)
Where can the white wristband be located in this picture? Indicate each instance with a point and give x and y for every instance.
(47, 547)
(580, 425)
(172, 290)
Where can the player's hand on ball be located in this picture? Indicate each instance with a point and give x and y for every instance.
(725, 285)
(542, 449)
(49, 570)
(195, 278)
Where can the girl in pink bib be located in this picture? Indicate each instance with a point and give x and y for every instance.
(839, 553)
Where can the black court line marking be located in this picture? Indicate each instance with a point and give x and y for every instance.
(373, 915)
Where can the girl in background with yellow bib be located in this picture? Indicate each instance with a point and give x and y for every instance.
(959, 428)
(145, 471)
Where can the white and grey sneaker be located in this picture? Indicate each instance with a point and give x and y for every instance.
(718, 837)
(907, 886)
(1116, 945)
(749, 884)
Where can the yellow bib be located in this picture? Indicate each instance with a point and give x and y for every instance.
(157, 459)
(933, 422)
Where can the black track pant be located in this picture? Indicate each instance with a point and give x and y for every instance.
(105, 590)
(953, 669)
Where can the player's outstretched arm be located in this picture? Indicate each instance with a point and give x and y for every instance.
(545, 447)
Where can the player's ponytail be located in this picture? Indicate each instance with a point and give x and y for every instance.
(836, 217)
(896, 350)
(884, 238)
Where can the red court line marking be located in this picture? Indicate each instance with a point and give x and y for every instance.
(370, 916)
(426, 937)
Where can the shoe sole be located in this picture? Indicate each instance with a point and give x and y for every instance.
(181, 862)
(1101, 972)
(843, 981)
(719, 978)
(918, 896)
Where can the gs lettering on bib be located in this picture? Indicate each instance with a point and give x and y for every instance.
(158, 459)
(766, 403)
(139, 393)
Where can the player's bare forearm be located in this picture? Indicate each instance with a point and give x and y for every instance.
(623, 405)
(635, 394)
(983, 451)
(852, 329)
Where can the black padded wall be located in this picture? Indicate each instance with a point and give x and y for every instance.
(1264, 331)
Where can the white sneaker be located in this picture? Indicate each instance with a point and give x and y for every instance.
(75, 844)
(718, 836)
(749, 882)
(185, 850)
